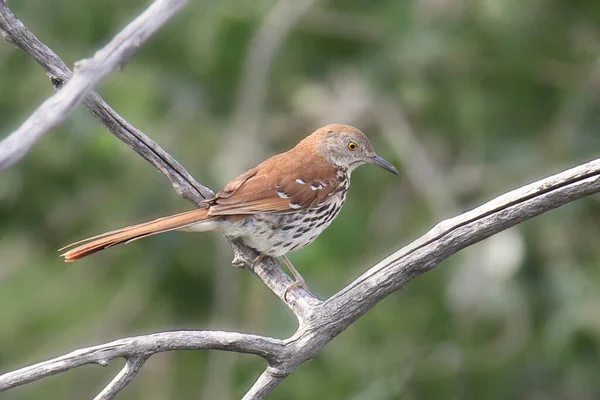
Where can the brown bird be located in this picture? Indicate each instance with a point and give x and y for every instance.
(279, 206)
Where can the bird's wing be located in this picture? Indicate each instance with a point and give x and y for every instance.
(284, 183)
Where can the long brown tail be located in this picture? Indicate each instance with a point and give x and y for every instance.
(130, 233)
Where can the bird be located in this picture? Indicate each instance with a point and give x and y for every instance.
(277, 207)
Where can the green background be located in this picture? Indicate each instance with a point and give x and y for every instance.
(468, 98)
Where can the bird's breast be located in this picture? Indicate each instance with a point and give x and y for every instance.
(276, 234)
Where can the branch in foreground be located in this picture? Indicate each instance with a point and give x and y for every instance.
(87, 74)
(142, 347)
(15, 32)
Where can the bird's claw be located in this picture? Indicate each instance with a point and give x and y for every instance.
(300, 283)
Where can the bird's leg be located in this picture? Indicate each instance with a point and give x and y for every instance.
(300, 282)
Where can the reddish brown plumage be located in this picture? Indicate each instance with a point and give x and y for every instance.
(279, 206)
(257, 190)
(130, 233)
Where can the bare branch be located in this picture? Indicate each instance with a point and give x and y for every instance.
(452, 235)
(264, 385)
(130, 370)
(269, 271)
(15, 32)
(144, 346)
(324, 321)
(319, 321)
(87, 74)
(185, 185)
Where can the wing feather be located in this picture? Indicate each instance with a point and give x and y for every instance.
(284, 183)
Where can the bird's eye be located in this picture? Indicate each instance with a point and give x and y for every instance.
(352, 146)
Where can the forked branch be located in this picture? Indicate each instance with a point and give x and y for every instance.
(138, 348)
(325, 320)
(319, 321)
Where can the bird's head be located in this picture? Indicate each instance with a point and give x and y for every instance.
(346, 147)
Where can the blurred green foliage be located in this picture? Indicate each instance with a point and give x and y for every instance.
(469, 98)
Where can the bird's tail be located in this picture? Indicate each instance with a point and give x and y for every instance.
(130, 233)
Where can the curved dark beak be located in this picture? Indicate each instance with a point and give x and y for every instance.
(381, 162)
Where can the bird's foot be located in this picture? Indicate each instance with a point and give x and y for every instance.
(299, 283)
(258, 259)
(299, 279)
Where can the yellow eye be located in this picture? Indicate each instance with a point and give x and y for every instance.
(352, 146)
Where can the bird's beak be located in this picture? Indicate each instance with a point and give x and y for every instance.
(380, 162)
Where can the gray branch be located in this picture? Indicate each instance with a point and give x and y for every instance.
(88, 73)
(263, 385)
(322, 321)
(319, 321)
(138, 348)
(132, 366)
(454, 234)
(15, 32)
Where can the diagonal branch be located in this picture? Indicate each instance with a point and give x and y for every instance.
(454, 234)
(87, 74)
(331, 317)
(15, 32)
(185, 185)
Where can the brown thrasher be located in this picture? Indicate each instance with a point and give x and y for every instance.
(279, 206)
